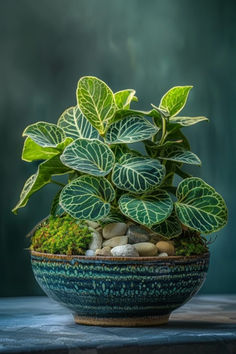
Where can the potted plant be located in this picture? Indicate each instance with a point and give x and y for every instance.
(122, 244)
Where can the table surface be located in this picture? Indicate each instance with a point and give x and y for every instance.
(206, 324)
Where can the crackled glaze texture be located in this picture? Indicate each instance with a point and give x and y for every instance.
(115, 291)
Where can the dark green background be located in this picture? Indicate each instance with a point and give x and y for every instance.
(47, 45)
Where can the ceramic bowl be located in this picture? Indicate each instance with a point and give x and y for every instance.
(109, 291)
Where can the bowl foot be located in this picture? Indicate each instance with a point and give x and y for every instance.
(122, 322)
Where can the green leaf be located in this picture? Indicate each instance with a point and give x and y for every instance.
(174, 100)
(176, 153)
(56, 209)
(147, 210)
(187, 121)
(177, 135)
(45, 134)
(153, 149)
(199, 206)
(46, 170)
(119, 150)
(123, 113)
(75, 125)
(130, 130)
(87, 198)
(89, 156)
(137, 174)
(96, 102)
(124, 98)
(32, 151)
(169, 228)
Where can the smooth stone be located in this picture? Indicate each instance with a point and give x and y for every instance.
(146, 249)
(96, 241)
(105, 251)
(137, 234)
(124, 251)
(165, 246)
(116, 241)
(114, 229)
(93, 224)
(89, 253)
(163, 254)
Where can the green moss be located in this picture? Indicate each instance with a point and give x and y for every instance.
(62, 235)
(190, 243)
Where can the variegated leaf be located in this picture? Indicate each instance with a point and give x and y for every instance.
(176, 153)
(89, 156)
(119, 150)
(137, 174)
(187, 121)
(130, 130)
(87, 198)
(32, 151)
(147, 210)
(123, 113)
(46, 170)
(174, 100)
(199, 206)
(75, 125)
(169, 228)
(45, 134)
(124, 98)
(96, 101)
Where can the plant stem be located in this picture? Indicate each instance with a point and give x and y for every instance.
(163, 135)
(181, 173)
(58, 183)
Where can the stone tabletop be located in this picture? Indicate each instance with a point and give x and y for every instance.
(206, 324)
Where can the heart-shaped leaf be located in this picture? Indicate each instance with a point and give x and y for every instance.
(87, 198)
(123, 98)
(137, 174)
(147, 210)
(174, 100)
(46, 170)
(130, 130)
(32, 151)
(176, 153)
(199, 206)
(169, 228)
(75, 125)
(187, 121)
(96, 102)
(45, 134)
(89, 156)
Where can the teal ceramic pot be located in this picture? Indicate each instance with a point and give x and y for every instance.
(134, 291)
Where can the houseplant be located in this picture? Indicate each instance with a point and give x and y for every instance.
(108, 182)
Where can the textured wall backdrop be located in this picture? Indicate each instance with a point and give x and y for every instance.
(147, 45)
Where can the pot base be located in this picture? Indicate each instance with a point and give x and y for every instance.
(122, 322)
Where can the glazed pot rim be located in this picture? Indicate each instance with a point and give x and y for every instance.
(115, 259)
